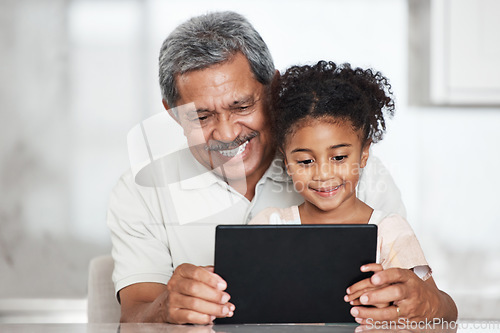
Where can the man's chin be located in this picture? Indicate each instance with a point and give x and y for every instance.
(233, 170)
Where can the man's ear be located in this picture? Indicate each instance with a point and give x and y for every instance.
(276, 79)
(365, 153)
(171, 112)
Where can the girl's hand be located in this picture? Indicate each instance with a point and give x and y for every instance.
(355, 291)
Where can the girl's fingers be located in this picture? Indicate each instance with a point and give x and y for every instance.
(356, 295)
(372, 268)
(359, 288)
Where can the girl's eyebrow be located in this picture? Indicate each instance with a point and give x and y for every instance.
(307, 150)
(298, 150)
(340, 146)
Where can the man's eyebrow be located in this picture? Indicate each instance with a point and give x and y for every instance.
(243, 101)
(200, 110)
(236, 103)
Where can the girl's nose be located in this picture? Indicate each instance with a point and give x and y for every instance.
(323, 172)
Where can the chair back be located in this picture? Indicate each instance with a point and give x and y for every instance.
(102, 306)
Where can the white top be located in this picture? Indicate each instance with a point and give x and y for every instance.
(397, 245)
(171, 217)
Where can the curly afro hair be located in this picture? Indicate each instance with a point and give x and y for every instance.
(331, 92)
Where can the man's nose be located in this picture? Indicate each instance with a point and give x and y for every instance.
(226, 130)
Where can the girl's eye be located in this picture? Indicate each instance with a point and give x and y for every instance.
(339, 158)
(305, 162)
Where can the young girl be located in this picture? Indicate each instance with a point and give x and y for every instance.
(325, 118)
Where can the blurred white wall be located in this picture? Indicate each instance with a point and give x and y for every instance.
(77, 75)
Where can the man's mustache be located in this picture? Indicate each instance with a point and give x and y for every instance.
(218, 145)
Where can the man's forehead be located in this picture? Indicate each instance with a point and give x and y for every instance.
(221, 78)
(214, 84)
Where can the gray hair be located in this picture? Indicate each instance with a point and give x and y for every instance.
(207, 40)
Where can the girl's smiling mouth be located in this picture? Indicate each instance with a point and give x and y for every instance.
(326, 191)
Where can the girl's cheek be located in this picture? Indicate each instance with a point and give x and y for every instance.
(299, 185)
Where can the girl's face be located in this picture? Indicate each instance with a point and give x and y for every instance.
(324, 160)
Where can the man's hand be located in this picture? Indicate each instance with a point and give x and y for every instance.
(356, 290)
(193, 295)
(417, 300)
(196, 295)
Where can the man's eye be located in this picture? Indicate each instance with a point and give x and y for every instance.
(244, 109)
(199, 117)
(305, 162)
(339, 158)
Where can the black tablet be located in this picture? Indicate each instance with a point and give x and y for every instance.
(292, 273)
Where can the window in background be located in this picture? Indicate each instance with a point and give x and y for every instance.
(73, 87)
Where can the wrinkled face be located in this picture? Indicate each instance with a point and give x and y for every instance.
(324, 160)
(227, 125)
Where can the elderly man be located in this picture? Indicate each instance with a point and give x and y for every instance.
(215, 76)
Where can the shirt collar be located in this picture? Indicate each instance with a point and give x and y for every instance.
(277, 171)
(193, 175)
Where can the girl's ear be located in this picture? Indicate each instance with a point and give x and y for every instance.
(365, 153)
(285, 161)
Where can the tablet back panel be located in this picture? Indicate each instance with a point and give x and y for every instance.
(293, 273)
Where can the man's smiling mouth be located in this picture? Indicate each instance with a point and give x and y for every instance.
(240, 145)
(236, 151)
